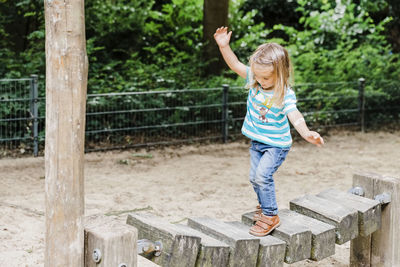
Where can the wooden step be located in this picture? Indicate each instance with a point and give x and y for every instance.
(212, 251)
(180, 248)
(271, 251)
(243, 246)
(323, 234)
(296, 236)
(344, 219)
(369, 210)
(113, 241)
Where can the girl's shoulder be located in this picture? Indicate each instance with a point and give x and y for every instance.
(289, 92)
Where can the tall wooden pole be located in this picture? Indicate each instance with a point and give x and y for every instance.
(66, 82)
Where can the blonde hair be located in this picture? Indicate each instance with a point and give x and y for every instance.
(273, 54)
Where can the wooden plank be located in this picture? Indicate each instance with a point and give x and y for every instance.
(344, 219)
(244, 247)
(143, 262)
(385, 243)
(323, 234)
(296, 236)
(116, 242)
(179, 247)
(213, 253)
(66, 83)
(360, 247)
(271, 251)
(369, 210)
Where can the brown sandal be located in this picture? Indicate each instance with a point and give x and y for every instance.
(257, 213)
(265, 225)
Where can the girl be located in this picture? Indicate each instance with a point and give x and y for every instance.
(269, 103)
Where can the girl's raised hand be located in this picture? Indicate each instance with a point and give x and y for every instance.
(314, 138)
(222, 37)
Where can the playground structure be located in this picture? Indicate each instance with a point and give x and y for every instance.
(367, 217)
(72, 240)
(309, 230)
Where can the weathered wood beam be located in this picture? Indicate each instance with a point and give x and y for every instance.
(271, 252)
(323, 234)
(213, 253)
(296, 236)
(369, 210)
(66, 82)
(180, 248)
(113, 242)
(244, 247)
(344, 219)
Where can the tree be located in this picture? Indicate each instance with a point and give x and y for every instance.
(215, 15)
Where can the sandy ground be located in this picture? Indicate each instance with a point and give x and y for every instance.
(180, 182)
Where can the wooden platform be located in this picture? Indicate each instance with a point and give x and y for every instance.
(309, 230)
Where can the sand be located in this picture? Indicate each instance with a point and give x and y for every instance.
(185, 181)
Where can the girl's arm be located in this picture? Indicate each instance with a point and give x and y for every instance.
(297, 120)
(222, 37)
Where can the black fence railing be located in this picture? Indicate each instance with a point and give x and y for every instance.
(136, 119)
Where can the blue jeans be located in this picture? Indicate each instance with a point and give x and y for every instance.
(264, 161)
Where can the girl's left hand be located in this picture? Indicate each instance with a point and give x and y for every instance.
(314, 138)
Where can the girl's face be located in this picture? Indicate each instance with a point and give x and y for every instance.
(265, 76)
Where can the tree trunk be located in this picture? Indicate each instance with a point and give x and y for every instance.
(66, 83)
(215, 15)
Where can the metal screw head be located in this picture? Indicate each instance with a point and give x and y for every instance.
(383, 198)
(122, 265)
(96, 255)
(158, 248)
(359, 191)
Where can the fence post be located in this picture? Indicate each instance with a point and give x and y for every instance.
(34, 112)
(225, 89)
(361, 103)
(382, 247)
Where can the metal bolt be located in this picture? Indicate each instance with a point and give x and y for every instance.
(146, 246)
(96, 255)
(122, 265)
(158, 248)
(358, 191)
(383, 198)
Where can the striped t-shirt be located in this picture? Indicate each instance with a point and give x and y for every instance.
(265, 122)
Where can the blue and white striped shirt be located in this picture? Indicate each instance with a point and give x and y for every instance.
(265, 123)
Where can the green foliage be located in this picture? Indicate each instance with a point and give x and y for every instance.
(141, 45)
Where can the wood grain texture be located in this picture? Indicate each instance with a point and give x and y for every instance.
(66, 83)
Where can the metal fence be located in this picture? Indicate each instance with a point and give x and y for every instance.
(135, 119)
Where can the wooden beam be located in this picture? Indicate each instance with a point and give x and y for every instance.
(297, 237)
(244, 247)
(369, 210)
(114, 243)
(66, 82)
(271, 252)
(383, 246)
(212, 252)
(344, 219)
(385, 243)
(179, 247)
(360, 247)
(323, 234)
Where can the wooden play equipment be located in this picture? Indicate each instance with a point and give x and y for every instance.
(66, 78)
(70, 241)
(309, 230)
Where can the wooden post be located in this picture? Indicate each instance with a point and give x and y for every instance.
(383, 246)
(109, 243)
(66, 82)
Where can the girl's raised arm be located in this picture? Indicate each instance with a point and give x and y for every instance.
(222, 37)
